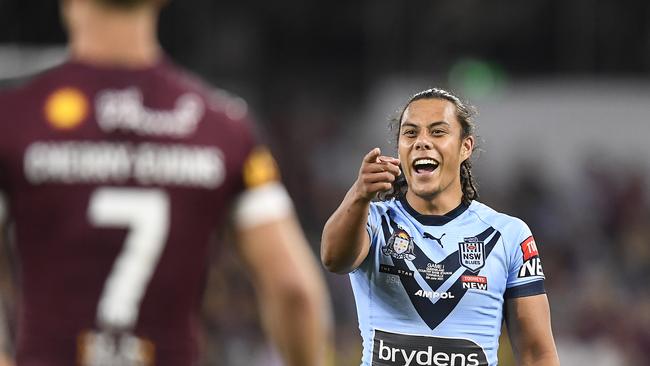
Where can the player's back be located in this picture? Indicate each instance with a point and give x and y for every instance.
(115, 180)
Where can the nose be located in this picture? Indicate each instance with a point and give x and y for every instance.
(423, 143)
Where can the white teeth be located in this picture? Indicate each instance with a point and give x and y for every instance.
(424, 162)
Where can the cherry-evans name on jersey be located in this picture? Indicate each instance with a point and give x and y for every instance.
(75, 162)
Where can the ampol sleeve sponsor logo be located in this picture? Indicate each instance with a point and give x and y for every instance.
(394, 349)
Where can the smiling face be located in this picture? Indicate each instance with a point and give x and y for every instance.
(431, 148)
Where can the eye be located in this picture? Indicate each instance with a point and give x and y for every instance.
(408, 132)
(438, 132)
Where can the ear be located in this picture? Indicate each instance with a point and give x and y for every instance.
(467, 148)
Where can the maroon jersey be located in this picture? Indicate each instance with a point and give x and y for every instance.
(115, 179)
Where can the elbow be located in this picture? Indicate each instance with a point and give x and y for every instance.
(329, 263)
(333, 264)
(330, 260)
(300, 296)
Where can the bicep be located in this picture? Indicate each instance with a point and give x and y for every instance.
(529, 325)
(364, 245)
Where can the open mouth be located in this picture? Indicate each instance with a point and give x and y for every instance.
(425, 165)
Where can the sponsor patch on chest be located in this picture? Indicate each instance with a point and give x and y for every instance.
(474, 282)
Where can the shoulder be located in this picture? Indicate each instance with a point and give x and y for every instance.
(382, 207)
(26, 86)
(506, 224)
(18, 95)
(12, 87)
(217, 100)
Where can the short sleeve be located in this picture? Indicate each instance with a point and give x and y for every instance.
(525, 273)
(261, 197)
(373, 226)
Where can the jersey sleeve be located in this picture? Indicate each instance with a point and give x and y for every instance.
(373, 226)
(262, 197)
(525, 274)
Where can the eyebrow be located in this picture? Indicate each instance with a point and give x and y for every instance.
(432, 124)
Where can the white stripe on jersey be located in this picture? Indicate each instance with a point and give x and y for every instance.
(261, 205)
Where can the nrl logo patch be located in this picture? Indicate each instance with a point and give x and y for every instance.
(399, 246)
(471, 253)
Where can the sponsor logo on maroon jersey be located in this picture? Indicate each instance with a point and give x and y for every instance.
(260, 168)
(124, 110)
(105, 348)
(66, 108)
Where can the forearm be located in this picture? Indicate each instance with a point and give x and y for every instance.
(548, 359)
(5, 359)
(290, 288)
(345, 240)
(297, 321)
(540, 353)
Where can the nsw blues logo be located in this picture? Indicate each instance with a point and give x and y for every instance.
(399, 246)
(471, 253)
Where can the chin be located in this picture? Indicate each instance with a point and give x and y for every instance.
(425, 193)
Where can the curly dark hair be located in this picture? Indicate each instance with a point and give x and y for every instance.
(465, 113)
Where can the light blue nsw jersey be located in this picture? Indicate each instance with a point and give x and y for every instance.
(432, 289)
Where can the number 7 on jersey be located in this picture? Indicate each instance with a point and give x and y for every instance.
(146, 213)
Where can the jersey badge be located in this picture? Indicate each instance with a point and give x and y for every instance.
(66, 108)
(399, 246)
(471, 253)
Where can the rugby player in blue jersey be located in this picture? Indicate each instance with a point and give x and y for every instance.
(435, 272)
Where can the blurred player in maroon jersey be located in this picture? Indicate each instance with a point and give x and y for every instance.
(116, 167)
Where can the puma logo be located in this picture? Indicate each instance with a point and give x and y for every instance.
(429, 236)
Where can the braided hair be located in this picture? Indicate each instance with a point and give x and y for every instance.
(465, 114)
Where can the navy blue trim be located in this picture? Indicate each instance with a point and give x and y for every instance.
(433, 220)
(529, 289)
(434, 314)
(451, 263)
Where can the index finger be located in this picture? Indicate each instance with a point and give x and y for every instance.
(388, 159)
(371, 157)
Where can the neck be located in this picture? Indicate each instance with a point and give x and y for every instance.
(439, 204)
(109, 37)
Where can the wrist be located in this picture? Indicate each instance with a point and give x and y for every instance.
(358, 196)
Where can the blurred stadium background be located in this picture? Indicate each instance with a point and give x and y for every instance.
(563, 91)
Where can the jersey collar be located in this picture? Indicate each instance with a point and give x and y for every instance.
(433, 220)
